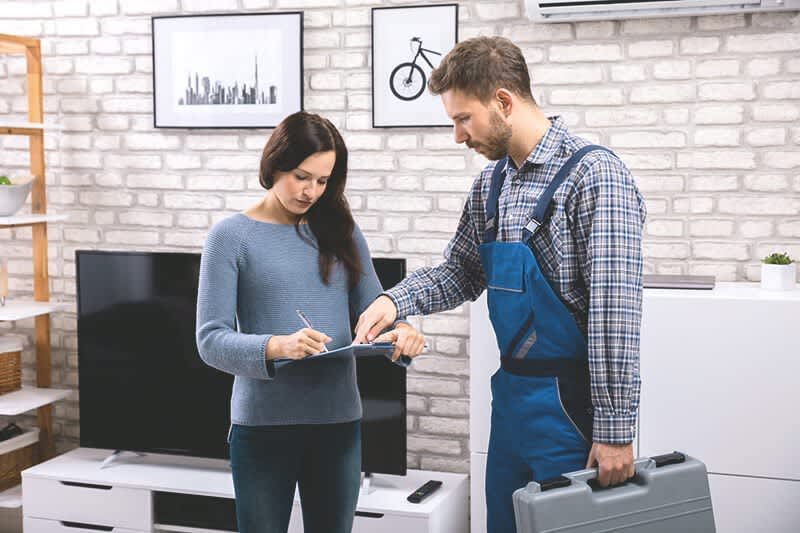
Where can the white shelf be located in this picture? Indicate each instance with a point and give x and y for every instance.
(11, 343)
(20, 441)
(27, 220)
(20, 310)
(11, 498)
(22, 124)
(29, 398)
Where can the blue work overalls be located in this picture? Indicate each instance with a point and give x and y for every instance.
(541, 408)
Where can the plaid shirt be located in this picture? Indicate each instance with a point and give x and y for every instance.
(589, 251)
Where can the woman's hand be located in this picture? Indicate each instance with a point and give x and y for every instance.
(407, 341)
(298, 345)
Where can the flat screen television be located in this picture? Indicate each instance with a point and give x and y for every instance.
(143, 386)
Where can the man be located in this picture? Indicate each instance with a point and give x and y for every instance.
(553, 231)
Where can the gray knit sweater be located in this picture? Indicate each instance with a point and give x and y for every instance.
(257, 274)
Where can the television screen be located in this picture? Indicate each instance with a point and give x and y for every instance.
(382, 385)
(143, 386)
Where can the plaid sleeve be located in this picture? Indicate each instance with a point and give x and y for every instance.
(609, 216)
(458, 279)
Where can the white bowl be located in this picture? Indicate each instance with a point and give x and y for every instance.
(12, 197)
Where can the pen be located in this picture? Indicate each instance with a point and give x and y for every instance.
(307, 323)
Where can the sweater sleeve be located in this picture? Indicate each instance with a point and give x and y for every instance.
(219, 342)
(368, 287)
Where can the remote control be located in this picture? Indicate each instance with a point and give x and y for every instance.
(424, 491)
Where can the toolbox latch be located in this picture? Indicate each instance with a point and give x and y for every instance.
(669, 459)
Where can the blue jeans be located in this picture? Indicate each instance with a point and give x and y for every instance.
(323, 460)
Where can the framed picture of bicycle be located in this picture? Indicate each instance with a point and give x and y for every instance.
(227, 71)
(407, 44)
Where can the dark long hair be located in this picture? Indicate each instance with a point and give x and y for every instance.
(297, 137)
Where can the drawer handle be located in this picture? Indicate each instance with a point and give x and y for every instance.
(79, 525)
(365, 514)
(86, 485)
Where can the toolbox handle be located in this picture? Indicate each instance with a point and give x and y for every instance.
(643, 463)
(589, 475)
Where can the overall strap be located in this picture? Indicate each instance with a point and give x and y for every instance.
(498, 176)
(544, 206)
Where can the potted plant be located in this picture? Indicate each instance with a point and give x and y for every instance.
(778, 272)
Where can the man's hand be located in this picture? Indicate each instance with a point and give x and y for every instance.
(377, 317)
(614, 462)
(406, 339)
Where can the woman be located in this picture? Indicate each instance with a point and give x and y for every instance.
(297, 249)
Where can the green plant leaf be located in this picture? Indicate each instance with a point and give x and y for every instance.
(777, 259)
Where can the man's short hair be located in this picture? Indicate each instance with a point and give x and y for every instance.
(479, 66)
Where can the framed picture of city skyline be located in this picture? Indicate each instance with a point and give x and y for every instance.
(227, 71)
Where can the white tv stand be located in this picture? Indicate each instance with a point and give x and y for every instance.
(163, 493)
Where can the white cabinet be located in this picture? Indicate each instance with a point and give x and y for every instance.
(375, 523)
(37, 525)
(745, 505)
(719, 381)
(484, 360)
(720, 378)
(88, 503)
(477, 484)
(72, 494)
(386, 510)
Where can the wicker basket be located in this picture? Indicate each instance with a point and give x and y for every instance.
(14, 462)
(10, 371)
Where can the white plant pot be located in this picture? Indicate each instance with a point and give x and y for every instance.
(12, 197)
(778, 277)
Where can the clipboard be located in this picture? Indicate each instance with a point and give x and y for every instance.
(384, 349)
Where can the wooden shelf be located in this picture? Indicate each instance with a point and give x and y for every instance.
(29, 398)
(30, 220)
(25, 128)
(34, 126)
(11, 498)
(20, 310)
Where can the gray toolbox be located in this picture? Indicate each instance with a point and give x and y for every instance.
(668, 494)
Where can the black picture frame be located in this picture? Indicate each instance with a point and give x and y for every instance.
(232, 96)
(404, 103)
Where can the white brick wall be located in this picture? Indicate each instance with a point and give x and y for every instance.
(703, 110)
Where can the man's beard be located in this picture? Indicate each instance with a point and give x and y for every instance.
(497, 142)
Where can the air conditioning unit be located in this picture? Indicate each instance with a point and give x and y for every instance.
(578, 10)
